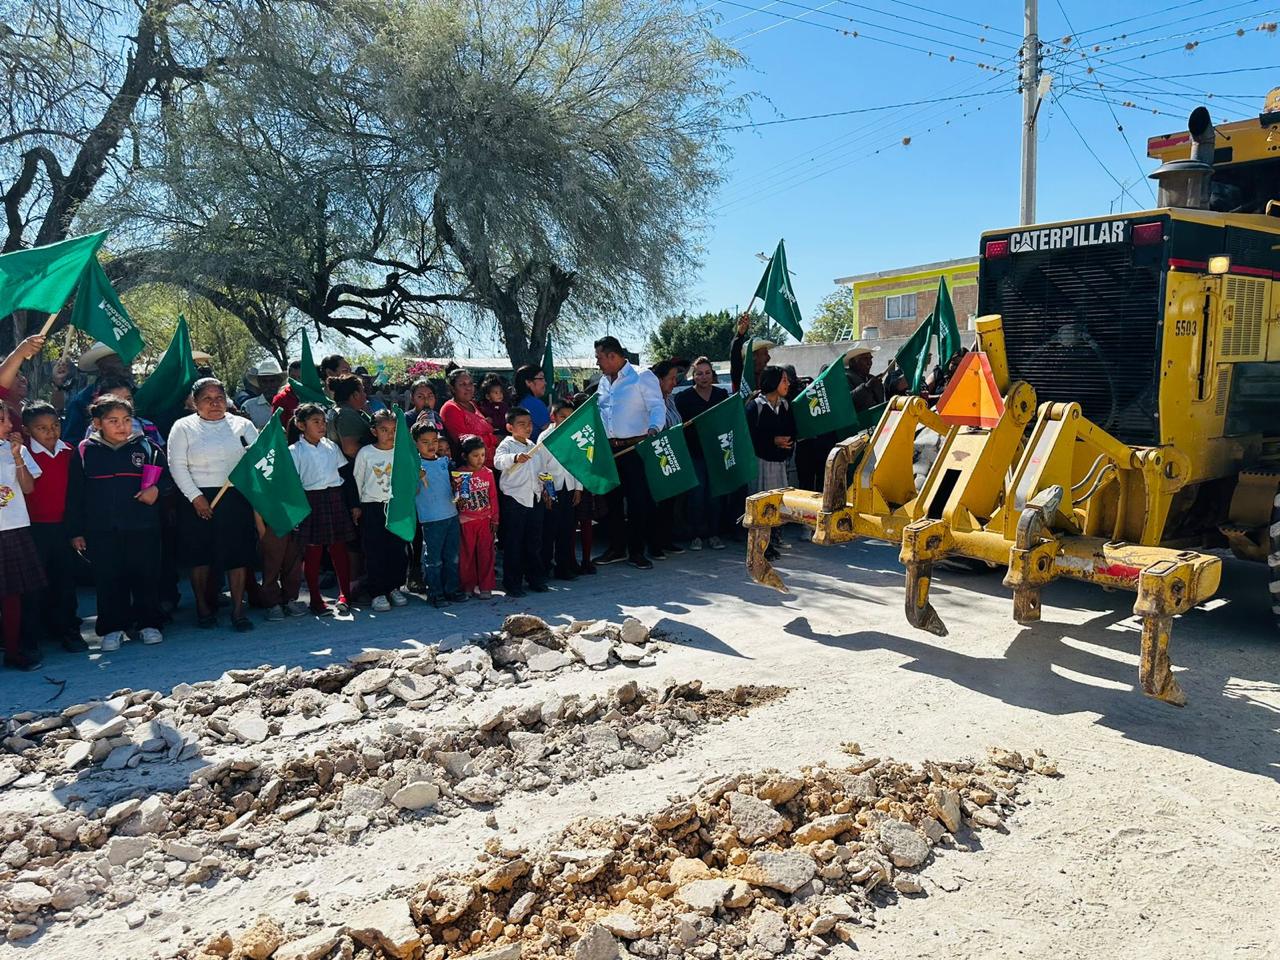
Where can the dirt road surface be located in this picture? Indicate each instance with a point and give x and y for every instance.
(1161, 839)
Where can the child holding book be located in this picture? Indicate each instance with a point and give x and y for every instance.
(476, 494)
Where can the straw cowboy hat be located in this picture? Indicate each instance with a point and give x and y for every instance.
(88, 361)
(267, 368)
(756, 344)
(201, 358)
(854, 352)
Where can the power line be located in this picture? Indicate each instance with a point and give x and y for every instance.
(1161, 25)
(972, 23)
(1107, 170)
(1116, 120)
(859, 34)
(923, 23)
(847, 113)
(1218, 73)
(1178, 36)
(1143, 16)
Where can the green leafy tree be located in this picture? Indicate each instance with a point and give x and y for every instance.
(836, 314)
(705, 334)
(567, 150)
(154, 307)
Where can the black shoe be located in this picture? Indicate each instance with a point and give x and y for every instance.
(587, 569)
(610, 556)
(641, 563)
(74, 643)
(22, 661)
(458, 596)
(657, 553)
(438, 602)
(516, 593)
(207, 622)
(673, 548)
(242, 624)
(539, 587)
(566, 575)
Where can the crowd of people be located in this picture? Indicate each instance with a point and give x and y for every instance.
(91, 492)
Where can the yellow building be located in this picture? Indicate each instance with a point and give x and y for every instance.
(890, 304)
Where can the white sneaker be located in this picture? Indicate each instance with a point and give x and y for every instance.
(381, 604)
(398, 599)
(275, 613)
(151, 635)
(111, 642)
(296, 608)
(695, 543)
(715, 543)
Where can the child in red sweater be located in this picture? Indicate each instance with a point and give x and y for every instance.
(20, 570)
(51, 611)
(476, 494)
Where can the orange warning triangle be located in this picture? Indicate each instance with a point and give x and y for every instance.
(971, 398)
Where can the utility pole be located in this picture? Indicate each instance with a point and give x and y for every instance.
(1030, 105)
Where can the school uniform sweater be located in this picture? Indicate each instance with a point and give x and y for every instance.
(102, 484)
(765, 423)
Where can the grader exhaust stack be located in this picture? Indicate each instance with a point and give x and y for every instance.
(1063, 500)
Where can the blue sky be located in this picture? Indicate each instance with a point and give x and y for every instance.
(845, 209)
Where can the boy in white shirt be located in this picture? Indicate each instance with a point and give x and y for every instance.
(560, 521)
(521, 486)
(386, 556)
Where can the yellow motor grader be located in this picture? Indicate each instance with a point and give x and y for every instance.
(1120, 415)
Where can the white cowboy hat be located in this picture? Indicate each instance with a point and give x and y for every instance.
(201, 358)
(88, 361)
(854, 352)
(756, 344)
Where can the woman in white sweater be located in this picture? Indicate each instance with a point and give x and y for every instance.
(203, 450)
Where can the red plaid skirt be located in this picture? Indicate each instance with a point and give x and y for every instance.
(20, 569)
(329, 521)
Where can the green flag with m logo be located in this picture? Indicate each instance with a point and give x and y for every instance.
(826, 405)
(726, 445)
(267, 478)
(668, 466)
(582, 448)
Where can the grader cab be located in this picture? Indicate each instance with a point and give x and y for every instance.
(1117, 418)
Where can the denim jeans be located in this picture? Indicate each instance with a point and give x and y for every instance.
(440, 557)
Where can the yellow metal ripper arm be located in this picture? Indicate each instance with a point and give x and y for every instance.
(1064, 500)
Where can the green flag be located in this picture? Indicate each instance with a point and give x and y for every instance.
(308, 373)
(406, 475)
(42, 278)
(99, 313)
(549, 368)
(869, 418)
(668, 467)
(582, 448)
(166, 389)
(826, 405)
(726, 445)
(915, 355)
(306, 395)
(268, 479)
(779, 299)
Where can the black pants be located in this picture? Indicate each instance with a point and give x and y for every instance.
(50, 613)
(632, 526)
(521, 544)
(126, 577)
(386, 556)
(558, 525)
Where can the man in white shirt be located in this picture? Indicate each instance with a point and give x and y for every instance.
(632, 408)
(268, 378)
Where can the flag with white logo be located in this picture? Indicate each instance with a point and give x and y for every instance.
(100, 314)
(668, 467)
(826, 405)
(268, 479)
(581, 446)
(726, 445)
(779, 299)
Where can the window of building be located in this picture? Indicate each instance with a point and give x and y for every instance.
(901, 307)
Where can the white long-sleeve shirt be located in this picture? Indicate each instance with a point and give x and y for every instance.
(520, 481)
(632, 404)
(561, 477)
(203, 452)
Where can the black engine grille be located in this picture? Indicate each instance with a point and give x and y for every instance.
(1082, 325)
